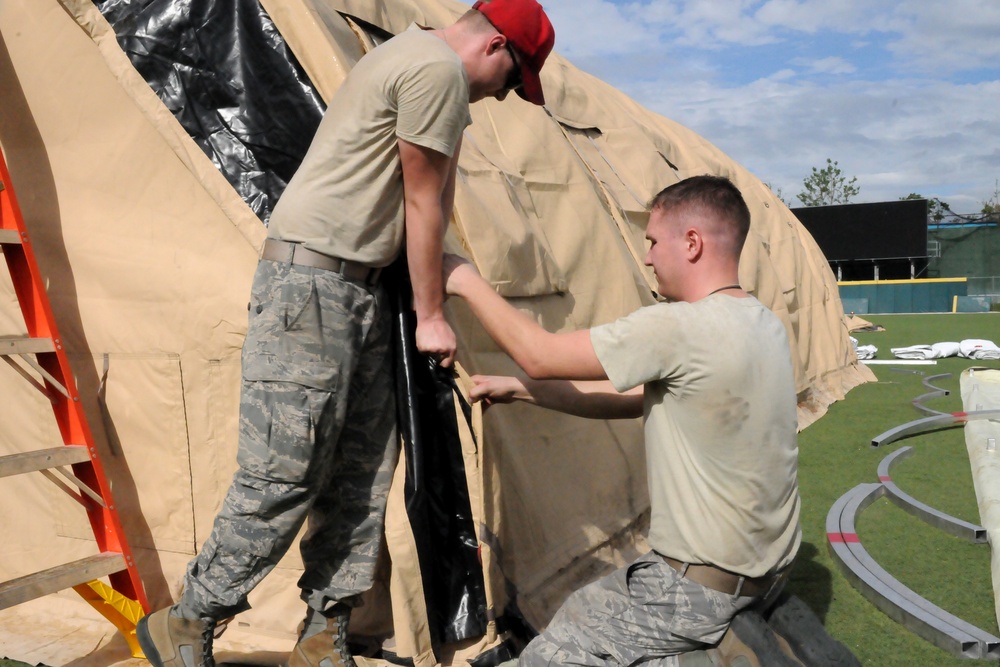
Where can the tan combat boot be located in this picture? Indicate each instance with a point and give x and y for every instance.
(320, 646)
(172, 641)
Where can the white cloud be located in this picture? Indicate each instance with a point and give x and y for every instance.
(811, 16)
(897, 137)
(924, 36)
(588, 28)
(709, 25)
(931, 127)
(831, 65)
(949, 36)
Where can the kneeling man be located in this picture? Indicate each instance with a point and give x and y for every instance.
(710, 372)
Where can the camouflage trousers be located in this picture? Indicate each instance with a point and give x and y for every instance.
(643, 613)
(317, 440)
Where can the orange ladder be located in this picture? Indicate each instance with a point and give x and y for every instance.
(42, 351)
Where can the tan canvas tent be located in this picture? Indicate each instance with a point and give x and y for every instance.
(148, 254)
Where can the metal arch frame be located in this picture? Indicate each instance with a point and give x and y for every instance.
(944, 419)
(950, 524)
(889, 594)
(936, 392)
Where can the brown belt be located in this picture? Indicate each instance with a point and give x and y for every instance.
(296, 253)
(724, 581)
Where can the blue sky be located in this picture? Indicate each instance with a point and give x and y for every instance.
(904, 95)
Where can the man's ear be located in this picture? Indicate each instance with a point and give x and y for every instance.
(694, 244)
(496, 43)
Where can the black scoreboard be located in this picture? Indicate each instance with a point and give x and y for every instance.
(883, 240)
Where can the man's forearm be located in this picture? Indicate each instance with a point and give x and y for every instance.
(542, 355)
(593, 399)
(424, 242)
(516, 333)
(590, 399)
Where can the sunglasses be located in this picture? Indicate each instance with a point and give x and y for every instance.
(514, 79)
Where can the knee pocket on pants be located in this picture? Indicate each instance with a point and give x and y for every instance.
(279, 430)
(236, 564)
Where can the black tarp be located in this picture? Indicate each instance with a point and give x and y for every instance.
(226, 74)
(437, 494)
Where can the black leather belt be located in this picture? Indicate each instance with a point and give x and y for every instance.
(296, 253)
(724, 581)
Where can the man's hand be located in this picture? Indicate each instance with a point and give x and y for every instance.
(436, 339)
(457, 271)
(492, 389)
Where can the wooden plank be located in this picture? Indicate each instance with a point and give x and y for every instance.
(10, 236)
(59, 578)
(42, 459)
(24, 345)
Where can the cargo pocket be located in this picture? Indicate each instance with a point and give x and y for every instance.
(231, 571)
(278, 430)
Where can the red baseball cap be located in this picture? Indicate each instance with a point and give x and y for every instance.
(527, 28)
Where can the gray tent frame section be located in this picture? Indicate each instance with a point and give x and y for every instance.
(899, 602)
(889, 594)
(936, 392)
(937, 418)
(952, 525)
(942, 420)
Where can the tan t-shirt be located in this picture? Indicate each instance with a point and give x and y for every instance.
(346, 198)
(720, 426)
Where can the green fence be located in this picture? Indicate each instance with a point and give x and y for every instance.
(964, 250)
(902, 296)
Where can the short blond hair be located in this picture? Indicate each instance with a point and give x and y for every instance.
(714, 195)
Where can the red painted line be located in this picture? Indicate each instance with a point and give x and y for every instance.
(960, 415)
(842, 537)
(884, 478)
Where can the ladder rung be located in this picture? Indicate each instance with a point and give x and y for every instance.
(10, 236)
(23, 345)
(59, 578)
(42, 459)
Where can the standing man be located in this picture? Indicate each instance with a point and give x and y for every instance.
(317, 422)
(710, 372)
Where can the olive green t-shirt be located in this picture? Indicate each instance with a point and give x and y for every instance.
(346, 199)
(720, 425)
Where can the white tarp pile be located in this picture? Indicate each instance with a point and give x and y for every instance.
(971, 348)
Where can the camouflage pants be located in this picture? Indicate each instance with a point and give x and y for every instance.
(317, 439)
(642, 613)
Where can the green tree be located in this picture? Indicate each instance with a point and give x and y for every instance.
(828, 186)
(937, 210)
(779, 194)
(991, 207)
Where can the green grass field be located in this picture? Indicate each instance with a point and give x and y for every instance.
(835, 455)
